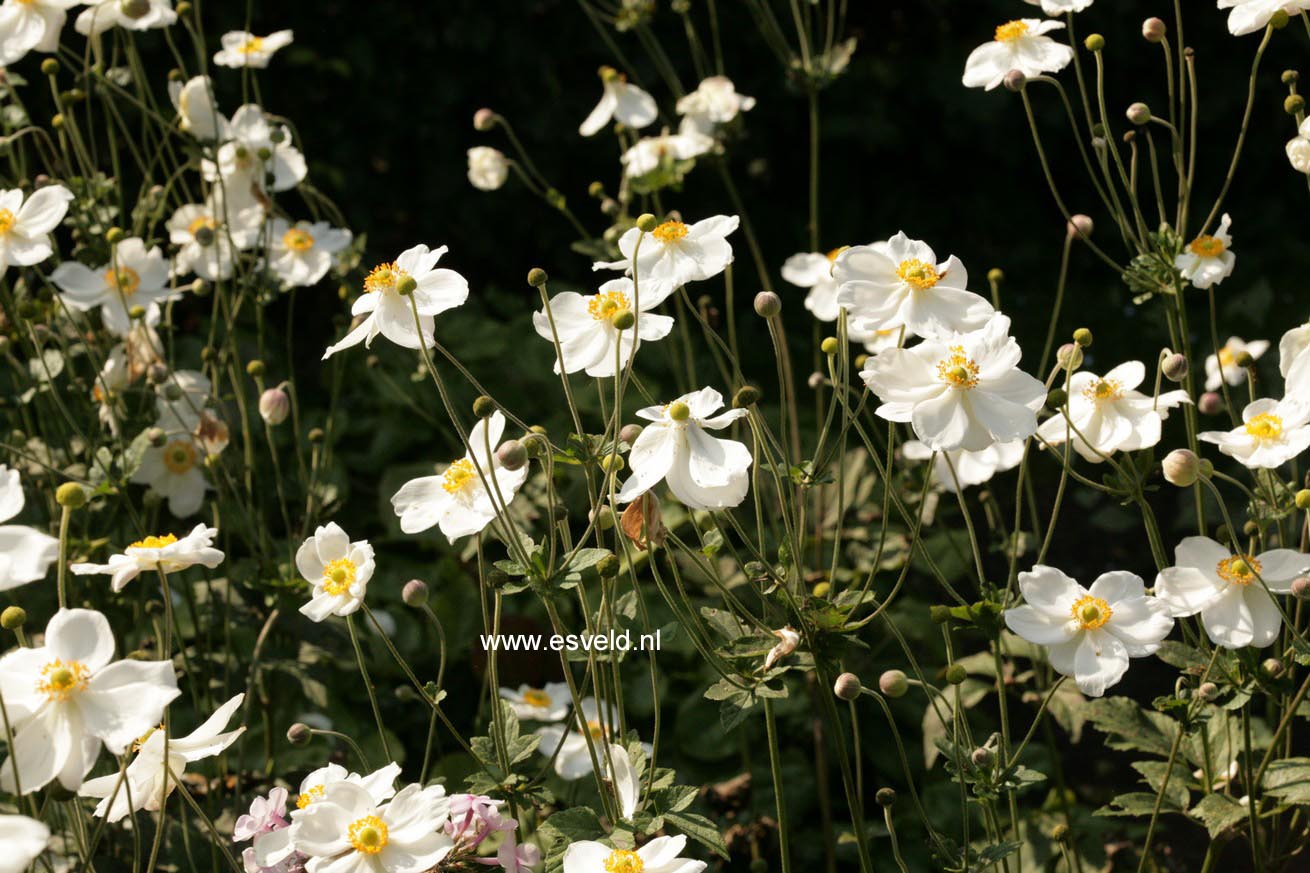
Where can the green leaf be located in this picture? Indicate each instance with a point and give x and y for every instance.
(1132, 727)
(700, 829)
(1176, 790)
(1289, 780)
(1135, 804)
(1218, 812)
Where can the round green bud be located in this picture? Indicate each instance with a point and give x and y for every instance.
(604, 517)
(624, 319)
(1060, 832)
(1272, 667)
(255, 368)
(1293, 103)
(847, 686)
(1244, 359)
(1083, 337)
(537, 277)
(1139, 113)
(679, 411)
(484, 407)
(1094, 42)
(983, 757)
(596, 190)
(767, 304)
(1250, 528)
(406, 285)
(1207, 691)
(747, 395)
(860, 361)
(415, 593)
(57, 120)
(136, 313)
(13, 618)
(316, 435)
(894, 683)
(955, 674)
(299, 734)
(1279, 19)
(200, 288)
(115, 235)
(830, 346)
(50, 67)
(1174, 367)
(886, 797)
(1303, 499)
(647, 222)
(612, 463)
(71, 495)
(1056, 398)
(608, 566)
(821, 590)
(995, 275)
(1290, 77)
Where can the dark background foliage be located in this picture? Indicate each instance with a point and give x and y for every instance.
(383, 94)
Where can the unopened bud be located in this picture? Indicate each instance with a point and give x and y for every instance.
(612, 463)
(647, 222)
(13, 618)
(893, 683)
(1094, 42)
(1056, 398)
(747, 395)
(1210, 403)
(629, 433)
(156, 436)
(316, 435)
(1083, 337)
(1290, 77)
(983, 757)
(415, 593)
(1174, 367)
(1139, 113)
(484, 119)
(1303, 499)
(1301, 587)
(1060, 832)
(1015, 80)
(1153, 30)
(1293, 103)
(70, 495)
(1081, 226)
(512, 455)
(484, 407)
(603, 516)
(299, 734)
(608, 566)
(830, 346)
(1279, 19)
(255, 368)
(274, 406)
(886, 797)
(767, 304)
(114, 235)
(1069, 356)
(1207, 691)
(847, 686)
(955, 674)
(995, 275)
(1272, 667)
(1181, 467)
(537, 277)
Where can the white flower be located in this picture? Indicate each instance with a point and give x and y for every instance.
(274, 847)
(1109, 414)
(251, 154)
(25, 225)
(31, 25)
(1208, 260)
(965, 392)
(301, 254)
(660, 855)
(113, 379)
(208, 236)
(25, 552)
(1273, 432)
(970, 468)
(389, 313)
(101, 15)
(1236, 610)
(627, 103)
(899, 282)
(584, 325)
(1248, 16)
(702, 471)
(338, 569)
(1017, 45)
(144, 785)
(813, 270)
(180, 401)
(1060, 7)
(715, 101)
(548, 703)
(1298, 148)
(65, 698)
(197, 113)
(166, 553)
(1294, 361)
(676, 253)
(24, 840)
(625, 779)
(1226, 361)
(788, 639)
(242, 49)
(457, 500)
(650, 152)
(348, 832)
(488, 168)
(134, 277)
(573, 760)
(173, 472)
(1090, 633)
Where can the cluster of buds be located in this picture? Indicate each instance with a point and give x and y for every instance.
(474, 818)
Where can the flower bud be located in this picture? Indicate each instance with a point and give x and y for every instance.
(316, 435)
(1139, 113)
(134, 8)
(629, 433)
(596, 190)
(830, 346)
(1207, 691)
(255, 368)
(612, 463)
(1081, 226)
(679, 411)
(624, 319)
(821, 590)
(1210, 403)
(1293, 103)
(1056, 398)
(995, 275)
(767, 304)
(156, 436)
(70, 495)
(1303, 499)
(1083, 337)
(1174, 367)
(747, 395)
(886, 797)
(955, 674)
(1181, 467)
(1015, 80)
(114, 235)
(847, 686)
(512, 455)
(299, 734)
(13, 618)
(1279, 19)
(415, 593)
(1290, 77)
(983, 757)
(537, 277)
(1301, 587)
(136, 313)
(1153, 30)
(893, 683)
(484, 407)
(815, 380)
(274, 406)
(608, 566)
(647, 222)
(1272, 667)
(1069, 356)
(603, 516)
(484, 119)
(1094, 42)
